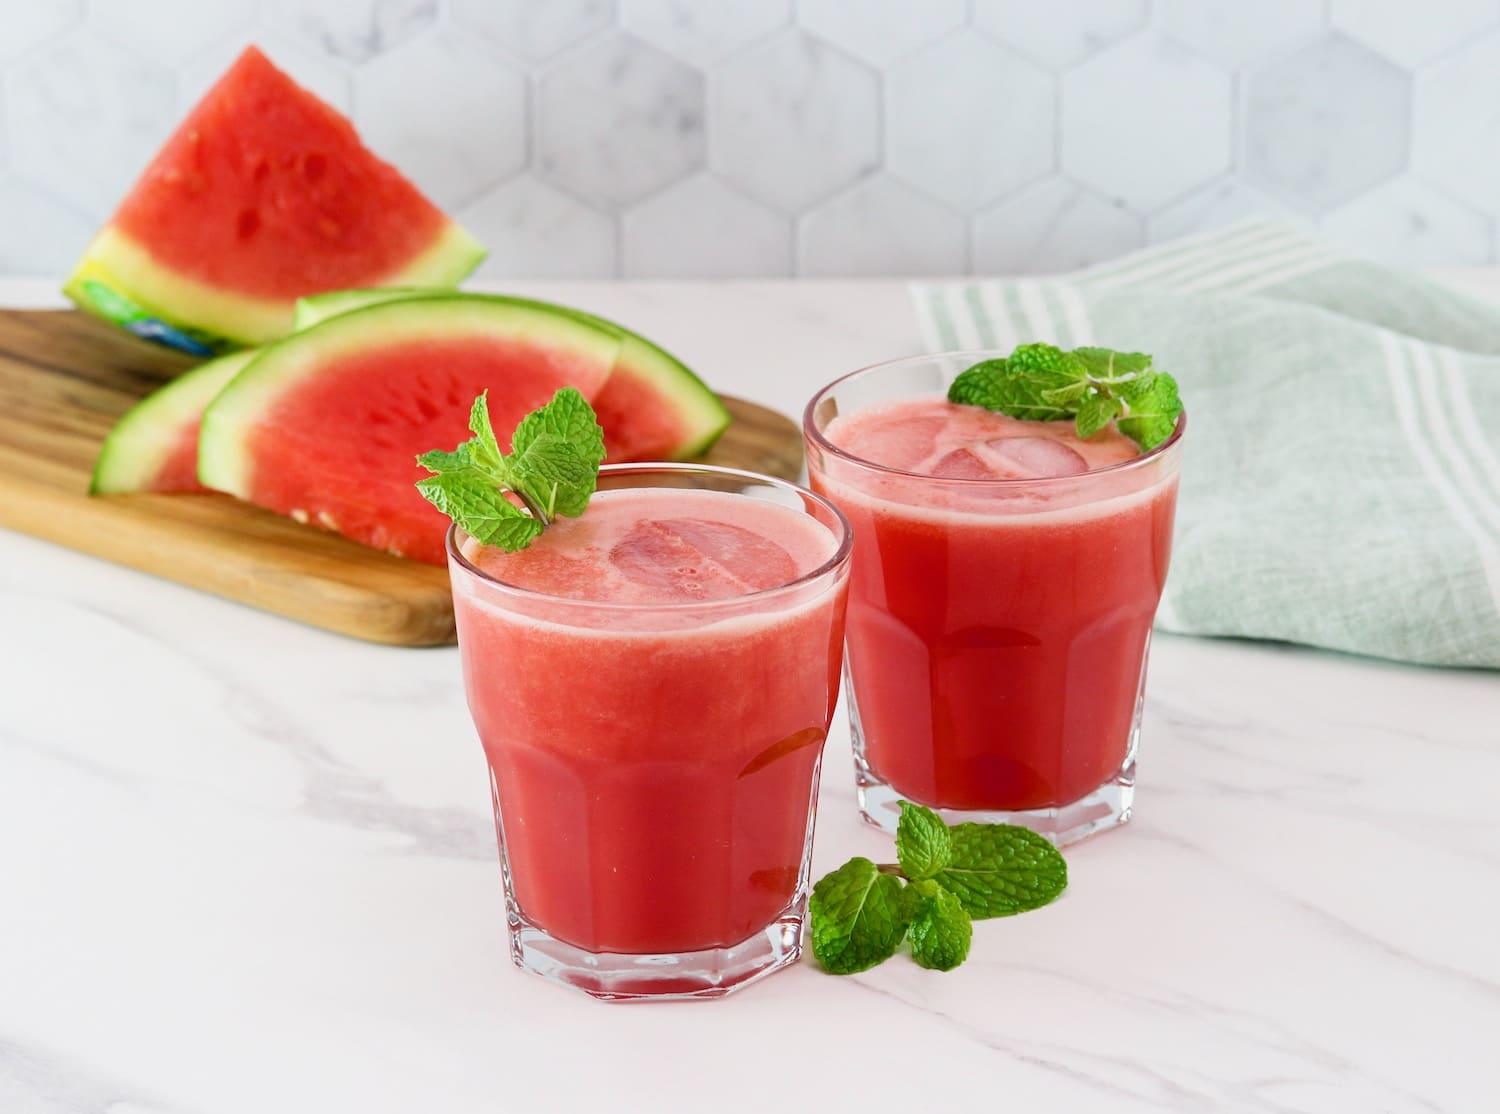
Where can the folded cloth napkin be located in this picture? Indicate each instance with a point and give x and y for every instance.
(1341, 470)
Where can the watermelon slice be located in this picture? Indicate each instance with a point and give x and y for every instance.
(263, 194)
(325, 426)
(154, 447)
(652, 408)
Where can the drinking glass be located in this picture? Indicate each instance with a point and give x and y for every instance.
(998, 630)
(654, 767)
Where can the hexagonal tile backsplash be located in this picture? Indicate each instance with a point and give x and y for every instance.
(722, 138)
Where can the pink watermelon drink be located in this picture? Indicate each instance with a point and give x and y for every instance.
(652, 683)
(1006, 574)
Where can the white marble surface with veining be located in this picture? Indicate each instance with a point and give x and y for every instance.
(247, 866)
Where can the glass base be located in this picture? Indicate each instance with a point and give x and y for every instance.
(1106, 807)
(618, 977)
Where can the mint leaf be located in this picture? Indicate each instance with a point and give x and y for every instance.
(483, 449)
(923, 845)
(857, 917)
(1093, 386)
(995, 385)
(1066, 396)
(552, 469)
(940, 931)
(480, 509)
(1000, 869)
(1094, 413)
(1047, 364)
(1108, 365)
(568, 417)
(1152, 412)
(555, 455)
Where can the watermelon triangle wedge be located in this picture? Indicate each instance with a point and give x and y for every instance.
(263, 194)
(154, 447)
(652, 407)
(325, 426)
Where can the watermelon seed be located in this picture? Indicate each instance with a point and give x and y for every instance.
(249, 223)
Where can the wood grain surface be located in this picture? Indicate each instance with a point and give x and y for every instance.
(65, 378)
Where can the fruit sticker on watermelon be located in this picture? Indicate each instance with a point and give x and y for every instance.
(262, 195)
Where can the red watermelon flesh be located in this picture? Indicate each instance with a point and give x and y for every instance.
(326, 426)
(266, 190)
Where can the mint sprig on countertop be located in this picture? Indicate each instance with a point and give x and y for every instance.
(943, 880)
(1093, 386)
(552, 468)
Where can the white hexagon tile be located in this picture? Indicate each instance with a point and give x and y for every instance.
(703, 228)
(617, 120)
(881, 227)
(1457, 122)
(1054, 226)
(1235, 33)
(1327, 123)
(703, 32)
(531, 228)
(351, 30)
(82, 117)
(1410, 34)
(794, 120)
(968, 85)
(1115, 134)
(533, 29)
(171, 31)
(479, 94)
(881, 31)
(716, 138)
(1059, 39)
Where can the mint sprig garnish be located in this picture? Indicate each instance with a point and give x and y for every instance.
(944, 879)
(552, 468)
(1093, 386)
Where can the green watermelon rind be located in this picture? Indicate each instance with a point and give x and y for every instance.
(224, 454)
(692, 400)
(141, 289)
(141, 441)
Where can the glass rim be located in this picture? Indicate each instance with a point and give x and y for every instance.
(840, 555)
(815, 435)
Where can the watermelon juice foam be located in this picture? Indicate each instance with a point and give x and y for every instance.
(652, 683)
(1005, 578)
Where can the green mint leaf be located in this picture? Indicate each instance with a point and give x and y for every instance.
(484, 449)
(1094, 413)
(1000, 869)
(1067, 396)
(1017, 391)
(941, 930)
(857, 917)
(569, 418)
(480, 509)
(555, 455)
(1151, 412)
(1047, 364)
(923, 845)
(1108, 365)
(553, 460)
(460, 459)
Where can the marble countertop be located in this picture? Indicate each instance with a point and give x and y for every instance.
(249, 866)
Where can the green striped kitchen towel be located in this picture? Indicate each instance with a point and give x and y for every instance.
(1341, 472)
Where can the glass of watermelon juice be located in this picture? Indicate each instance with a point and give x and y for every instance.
(1005, 578)
(652, 683)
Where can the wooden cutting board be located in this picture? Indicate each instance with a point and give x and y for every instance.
(66, 377)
